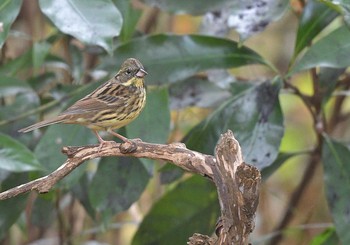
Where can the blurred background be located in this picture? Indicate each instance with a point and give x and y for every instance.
(49, 59)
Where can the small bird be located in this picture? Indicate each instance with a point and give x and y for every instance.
(112, 105)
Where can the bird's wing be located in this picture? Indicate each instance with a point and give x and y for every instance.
(100, 99)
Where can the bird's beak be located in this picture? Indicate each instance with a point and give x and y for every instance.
(141, 73)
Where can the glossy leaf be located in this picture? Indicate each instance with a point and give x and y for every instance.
(170, 58)
(251, 16)
(117, 184)
(192, 206)
(330, 51)
(92, 22)
(195, 7)
(15, 157)
(335, 159)
(9, 10)
(315, 17)
(196, 92)
(153, 124)
(48, 150)
(11, 208)
(255, 117)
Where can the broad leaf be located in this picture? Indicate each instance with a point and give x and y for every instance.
(9, 10)
(15, 157)
(315, 17)
(93, 22)
(330, 51)
(335, 159)
(196, 92)
(48, 150)
(117, 184)
(153, 124)
(43, 212)
(170, 58)
(192, 206)
(11, 208)
(131, 16)
(255, 117)
(194, 7)
(328, 79)
(343, 6)
(246, 17)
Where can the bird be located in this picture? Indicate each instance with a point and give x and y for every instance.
(112, 105)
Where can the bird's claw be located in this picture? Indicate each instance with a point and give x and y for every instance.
(128, 146)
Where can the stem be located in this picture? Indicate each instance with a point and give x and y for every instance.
(296, 197)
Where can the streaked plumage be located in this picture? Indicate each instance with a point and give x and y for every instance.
(112, 105)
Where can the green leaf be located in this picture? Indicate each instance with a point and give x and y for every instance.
(192, 206)
(93, 22)
(9, 10)
(328, 79)
(330, 51)
(12, 208)
(153, 124)
(43, 212)
(169, 173)
(170, 58)
(342, 6)
(251, 17)
(48, 150)
(315, 17)
(329, 236)
(335, 159)
(194, 7)
(196, 92)
(130, 18)
(81, 192)
(255, 117)
(117, 184)
(15, 157)
(40, 52)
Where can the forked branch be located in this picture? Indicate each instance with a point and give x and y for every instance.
(237, 183)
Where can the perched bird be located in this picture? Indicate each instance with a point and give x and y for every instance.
(112, 105)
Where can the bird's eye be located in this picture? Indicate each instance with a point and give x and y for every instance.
(128, 71)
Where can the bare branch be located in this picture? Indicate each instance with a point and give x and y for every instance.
(176, 153)
(237, 183)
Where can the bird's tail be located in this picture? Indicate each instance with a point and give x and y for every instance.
(44, 123)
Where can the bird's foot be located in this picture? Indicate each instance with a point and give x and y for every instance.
(129, 146)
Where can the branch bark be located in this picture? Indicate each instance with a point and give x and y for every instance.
(237, 183)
